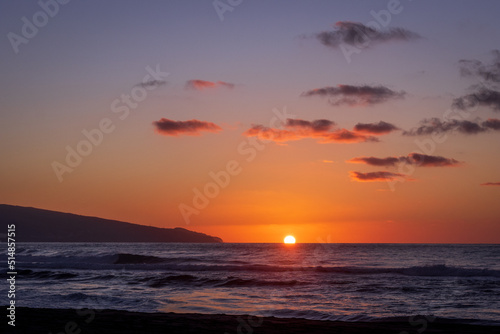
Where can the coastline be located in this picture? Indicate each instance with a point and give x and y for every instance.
(56, 321)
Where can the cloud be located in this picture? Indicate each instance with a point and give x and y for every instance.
(435, 125)
(323, 130)
(346, 136)
(192, 127)
(152, 84)
(375, 176)
(416, 159)
(372, 161)
(202, 84)
(375, 128)
(360, 35)
(492, 123)
(425, 160)
(355, 95)
(482, 96)
(491, 184)
(319, 125)
(487, 72)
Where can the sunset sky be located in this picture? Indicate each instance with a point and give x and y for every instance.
(333, 121)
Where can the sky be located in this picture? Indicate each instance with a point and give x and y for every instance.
(333, 121)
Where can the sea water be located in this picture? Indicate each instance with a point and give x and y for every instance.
(349, 282)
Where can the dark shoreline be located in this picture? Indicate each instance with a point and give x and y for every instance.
(71, 321)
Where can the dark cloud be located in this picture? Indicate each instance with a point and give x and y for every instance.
(376, 176)
(425, 160)
(416, 159)
(375, 128)
(203, 84)
(491, 184)
(355, 95)
(487, 74)
(323, 130)
(492, 123)
(372, 161)
(481, 97)
(318, 125)
(346, 136)
(152, 84)
(475, 68)
(360, 35)
(435, 125)
(192, 127)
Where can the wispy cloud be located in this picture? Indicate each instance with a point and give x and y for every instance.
(435, 125)
(488, 74)
(476, 68)
(416, 159)
(375, 128)
(376, 176)
(482, 96)
(491, 184)
(358, 34)
(325, 131)
(152, 84)
(192, 127)
(355, 95)
(203, 84)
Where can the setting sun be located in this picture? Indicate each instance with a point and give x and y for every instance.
(289, 239)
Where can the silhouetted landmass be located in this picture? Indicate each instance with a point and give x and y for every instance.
(37, 225)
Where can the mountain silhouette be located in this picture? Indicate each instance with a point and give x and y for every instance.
(37, 225)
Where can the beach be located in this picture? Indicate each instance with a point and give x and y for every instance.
(71, 321)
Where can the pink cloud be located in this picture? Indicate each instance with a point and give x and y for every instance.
(202, 84)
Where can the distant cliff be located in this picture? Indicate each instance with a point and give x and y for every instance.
(37, 225)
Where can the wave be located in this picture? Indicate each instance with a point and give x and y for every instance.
(432, 270)
(317, 315)
(206, 263)
(162, 281)
(237, 282)
(45, 274)
(125, 258)
(114, 258)
(228, 282)
(219, 280)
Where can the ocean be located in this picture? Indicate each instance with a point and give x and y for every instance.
(350, 282)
